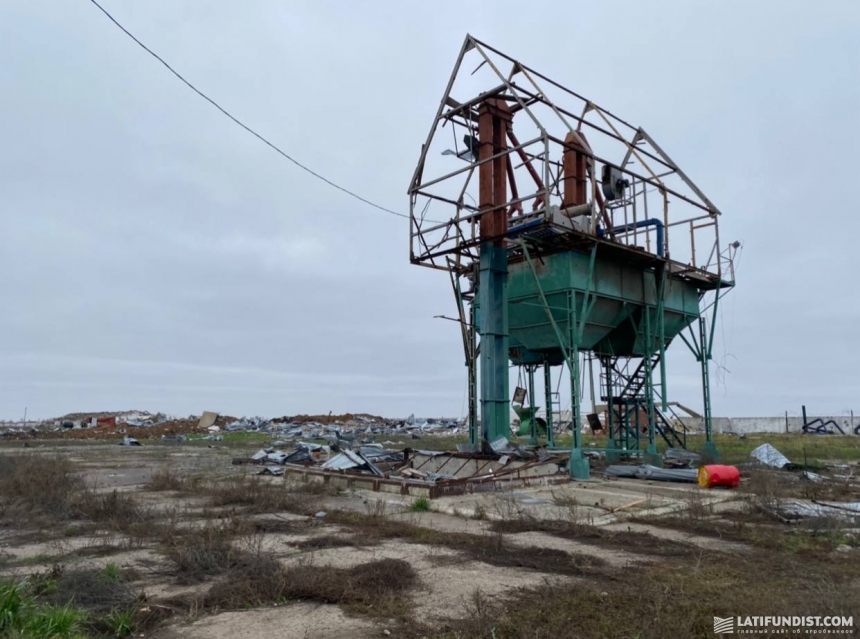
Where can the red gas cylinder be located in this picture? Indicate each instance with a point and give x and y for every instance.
(716, 476)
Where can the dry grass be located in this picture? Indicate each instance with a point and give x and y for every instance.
(669, 599)
(632, 541)
(212, 548)
(42, 485)
(253, 579)
(257, 495)
(116, 511)
(43, 489)
(167, 479)
(764, 523)
(376, 587)
(491, 549)
(323, 542)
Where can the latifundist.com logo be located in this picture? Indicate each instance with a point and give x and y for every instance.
(784, 625)
(724, 625)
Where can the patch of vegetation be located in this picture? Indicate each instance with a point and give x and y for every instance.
(375, 587)
(89, 589)
(112, 571)
(203, 552)
(54, 622)
(13, 606)
(490, 549)
(253, 579)
(55, 494)
(801, 449)
(30, 609)
(116, 511)
(420, 505)
(668, 599)
(335, 541)
(260, 496)
(120, 623)
(633, 541)
(168, 479)
(246, 437)
(276, 525)
(60, 494)
(763, 524)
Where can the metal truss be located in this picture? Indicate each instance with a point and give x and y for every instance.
(634, 194)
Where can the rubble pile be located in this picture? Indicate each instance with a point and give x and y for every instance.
(499, 461)
(146, 425)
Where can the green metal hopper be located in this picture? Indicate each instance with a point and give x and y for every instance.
(611, 297)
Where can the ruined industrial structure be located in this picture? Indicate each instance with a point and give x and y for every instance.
(566, 233)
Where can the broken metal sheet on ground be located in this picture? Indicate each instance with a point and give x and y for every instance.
(271, 470)
(207, 419)
(343, 461)
(501, 445)
(681, 475)
(680, 456)
(350, 459)
(378, 455)
(299, 456)
(277, 457)
(770, 456)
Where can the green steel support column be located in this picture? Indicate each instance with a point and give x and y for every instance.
(651, 455)
(493, 298)
(474, 435)
(578, 465)
(533, 439)
(661, 332)
(637, 426)
(612, 454)
(710, 448)
(547, 387)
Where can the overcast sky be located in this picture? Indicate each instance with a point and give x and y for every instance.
(155, 256)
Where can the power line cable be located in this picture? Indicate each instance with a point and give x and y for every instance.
(239, 122)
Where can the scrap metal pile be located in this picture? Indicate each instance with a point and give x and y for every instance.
(144, 425)
(432, 472)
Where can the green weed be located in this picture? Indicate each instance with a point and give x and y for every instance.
(420, 505)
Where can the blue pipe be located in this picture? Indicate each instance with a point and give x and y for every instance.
(626, 228)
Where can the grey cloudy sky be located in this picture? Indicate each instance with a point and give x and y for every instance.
(155, 256)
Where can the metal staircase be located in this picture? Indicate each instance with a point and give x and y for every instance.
(623, 387)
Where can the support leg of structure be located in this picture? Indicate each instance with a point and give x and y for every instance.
(578, 465)
(651, 456)
(493, 324)
(474, 435)
(533, 431)
(547, 387)
(710, 449)
(613, 455)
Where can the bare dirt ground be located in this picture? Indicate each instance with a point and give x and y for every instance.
(184, 544)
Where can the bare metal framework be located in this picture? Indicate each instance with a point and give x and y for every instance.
(549, 122)
(513, 158)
